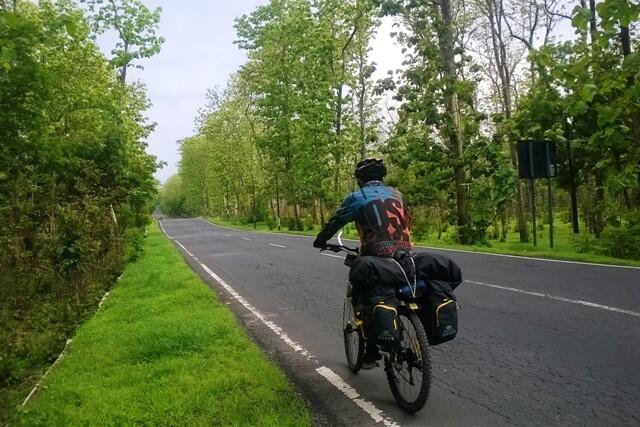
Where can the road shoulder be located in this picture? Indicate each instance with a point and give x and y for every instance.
(164, 350)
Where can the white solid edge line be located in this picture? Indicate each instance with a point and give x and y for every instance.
(376, 414)
(450, 250)
(594, 264)
(553, 297)
(277, 246)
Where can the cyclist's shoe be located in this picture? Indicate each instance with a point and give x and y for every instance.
(369, 365)
(370, 359)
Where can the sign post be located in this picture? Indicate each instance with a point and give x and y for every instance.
(550, 173)
(537, 159)
(532, 187)
(277, 202)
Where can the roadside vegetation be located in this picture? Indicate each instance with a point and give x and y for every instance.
(163, 350)
(76, 182)
(281, 141)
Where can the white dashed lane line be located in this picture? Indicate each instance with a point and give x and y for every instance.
(247, 239)
(333, 256)
(543, 295)
(553, 297)
(277, 246)
(437, 248)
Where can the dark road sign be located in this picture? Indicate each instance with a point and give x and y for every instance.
(536, 150)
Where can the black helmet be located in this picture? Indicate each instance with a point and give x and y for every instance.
(370, 170)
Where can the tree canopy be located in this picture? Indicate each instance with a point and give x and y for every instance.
(477, 78)
(76, 181)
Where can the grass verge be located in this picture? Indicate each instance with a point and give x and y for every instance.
(563, 250)
(164, 351)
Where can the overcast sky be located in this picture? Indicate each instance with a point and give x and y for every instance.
(199, 54)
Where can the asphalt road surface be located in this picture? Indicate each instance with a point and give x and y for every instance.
(540, 343)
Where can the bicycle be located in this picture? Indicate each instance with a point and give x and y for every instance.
(407, 366)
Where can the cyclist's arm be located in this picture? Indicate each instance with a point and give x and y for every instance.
(344, 215)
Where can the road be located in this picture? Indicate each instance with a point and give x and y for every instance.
(541, 342)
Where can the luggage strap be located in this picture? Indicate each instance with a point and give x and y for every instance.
(415, 285)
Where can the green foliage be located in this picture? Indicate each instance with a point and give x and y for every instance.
(437, 133)
(622, 241)
(154, 355)
(491, 185)
(135, 26)
(172, 199)
(287, 131)
(76, 181)
(586, 99)
(285, 134)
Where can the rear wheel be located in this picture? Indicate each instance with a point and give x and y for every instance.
(409, 369)
(353, 340)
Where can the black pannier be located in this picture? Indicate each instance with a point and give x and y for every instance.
(441, 312)
(376, 281)
(442, 275)
(385, 326)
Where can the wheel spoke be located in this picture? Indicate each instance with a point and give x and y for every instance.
(408, 371)
(352, 338)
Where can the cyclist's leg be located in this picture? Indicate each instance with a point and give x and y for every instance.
(364, 298)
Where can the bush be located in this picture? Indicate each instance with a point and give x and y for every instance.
(420, 227)
(468, 235)
(272, 223)
(582, 243)
(293, 224)
(622, 241)
(307, 222)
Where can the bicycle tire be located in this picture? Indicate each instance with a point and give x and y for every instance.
(352, 337)
(423, 365)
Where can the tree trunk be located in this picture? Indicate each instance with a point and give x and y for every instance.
(598, 218)
(454, 134)
(495, 13)
(361, 101)
(337, 155)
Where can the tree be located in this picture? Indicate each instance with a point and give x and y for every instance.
(595, 79)
(135, 25)
(76, 182)
(171, 197)
(432, 92)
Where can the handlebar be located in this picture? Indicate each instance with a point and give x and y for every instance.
(339, 248)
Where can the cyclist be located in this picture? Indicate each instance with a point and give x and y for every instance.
(384, 226)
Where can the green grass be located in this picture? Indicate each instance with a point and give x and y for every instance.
(564, 246)
(163, 350)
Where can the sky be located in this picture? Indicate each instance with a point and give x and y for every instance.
(198, 54)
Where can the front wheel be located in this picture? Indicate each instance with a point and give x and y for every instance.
(409, 369)
(353, 340)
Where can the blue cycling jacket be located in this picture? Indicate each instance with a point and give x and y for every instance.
(381, 217)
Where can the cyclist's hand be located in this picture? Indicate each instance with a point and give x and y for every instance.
(319, 244)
